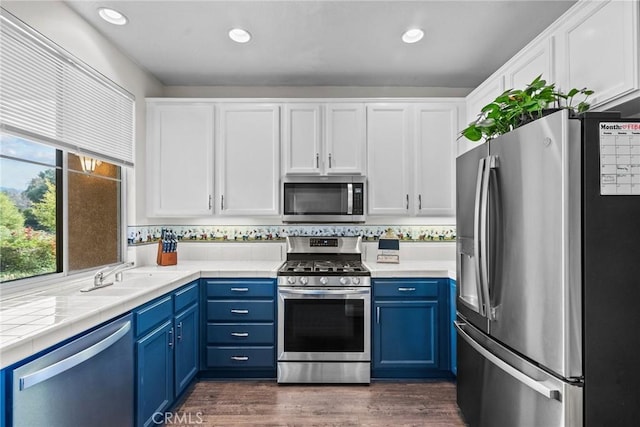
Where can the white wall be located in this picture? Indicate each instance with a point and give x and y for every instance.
(56, 21)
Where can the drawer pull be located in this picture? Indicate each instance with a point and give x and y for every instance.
(406, 289)
(240, 358)
(235, 311)
(239, 289)
(239, 334)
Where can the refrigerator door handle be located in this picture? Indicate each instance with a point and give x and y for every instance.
(477, 248)
(538, 386)
(491, 163)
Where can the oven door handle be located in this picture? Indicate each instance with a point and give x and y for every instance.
(324, 291)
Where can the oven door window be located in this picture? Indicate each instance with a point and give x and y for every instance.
(324, 325)
(315, 199)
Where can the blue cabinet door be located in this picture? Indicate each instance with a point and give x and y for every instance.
(186, 351)
(452, 317)
(154, 353)
(406, 335)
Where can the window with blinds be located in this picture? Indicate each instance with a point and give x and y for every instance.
(49, 94)
(66, 131)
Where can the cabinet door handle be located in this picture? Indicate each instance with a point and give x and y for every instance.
(236, 311)
(329, 160)
(222, 202)
(179, 330)
(171, 337)
(317, 160)
(406, 289)
(240, 358)
(240, 334)
(210, 201)
(407, 202)
(239, 289)
(420, 202)
(377, 314)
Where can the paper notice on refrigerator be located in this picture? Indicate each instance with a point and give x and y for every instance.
(619, 158)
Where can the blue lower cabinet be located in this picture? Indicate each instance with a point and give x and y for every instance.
(239, 328)
(3, 401)
(186, 348)
(167, 351)
(411, 330)
(154, 373)
(453, 294)
(262, 357)
(406, 335)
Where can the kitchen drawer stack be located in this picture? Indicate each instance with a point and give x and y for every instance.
(240, 329)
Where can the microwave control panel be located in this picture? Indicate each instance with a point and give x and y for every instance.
(358, 204)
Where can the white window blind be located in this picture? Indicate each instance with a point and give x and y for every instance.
(47, 93)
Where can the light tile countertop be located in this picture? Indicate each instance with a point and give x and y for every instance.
(34, 321)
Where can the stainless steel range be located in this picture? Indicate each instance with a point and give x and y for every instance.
(324, 312)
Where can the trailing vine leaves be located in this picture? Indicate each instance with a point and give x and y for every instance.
(515, 107)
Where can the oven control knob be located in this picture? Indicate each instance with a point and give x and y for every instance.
(324, 280)
(356, 280)
(304, 280)
(291, 280)
(344, 281)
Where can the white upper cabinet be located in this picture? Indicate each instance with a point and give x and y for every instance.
(388, 145)
(345, 143)
(302, 139)
(483, 95)
(411, 151)
(179, 160)
(435, 133)
(598, 49)
(323, 138)
(529, 64)
(248, 159)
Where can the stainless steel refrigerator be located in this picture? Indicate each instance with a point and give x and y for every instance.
(548, 274)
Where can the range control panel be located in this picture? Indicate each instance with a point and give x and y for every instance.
(323, 242)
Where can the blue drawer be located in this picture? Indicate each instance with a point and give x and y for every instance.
(185, 296)
(241, 357)
(244, 288)
(153, 314)
(418, 288)
(241, 333)
(240, 311)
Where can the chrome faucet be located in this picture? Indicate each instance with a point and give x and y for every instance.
(100, 276)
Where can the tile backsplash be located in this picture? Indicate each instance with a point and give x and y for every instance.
(144, 234)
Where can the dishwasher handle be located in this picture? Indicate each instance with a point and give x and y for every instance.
(72, 361)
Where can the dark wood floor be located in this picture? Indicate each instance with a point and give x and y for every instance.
(252, 403)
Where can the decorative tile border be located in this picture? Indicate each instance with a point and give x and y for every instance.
(144, 234)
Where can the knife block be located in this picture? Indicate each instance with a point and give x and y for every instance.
(166, 258)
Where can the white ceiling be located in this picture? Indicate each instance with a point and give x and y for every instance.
(323, 43)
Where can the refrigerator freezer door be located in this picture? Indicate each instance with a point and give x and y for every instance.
(535, 248)
(495, 387)
(469, 184)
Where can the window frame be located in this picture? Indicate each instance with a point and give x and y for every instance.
(62, 230)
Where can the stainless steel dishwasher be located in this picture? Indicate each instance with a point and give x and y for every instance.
(87, 382)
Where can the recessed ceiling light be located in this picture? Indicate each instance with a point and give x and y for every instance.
(413, 35)
(239, 35)
(112, 16)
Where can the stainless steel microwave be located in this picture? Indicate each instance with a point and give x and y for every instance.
(324, 199)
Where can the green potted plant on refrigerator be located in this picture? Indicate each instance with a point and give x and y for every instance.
(516, 107)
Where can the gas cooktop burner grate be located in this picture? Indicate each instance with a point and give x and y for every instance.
(323, 266)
